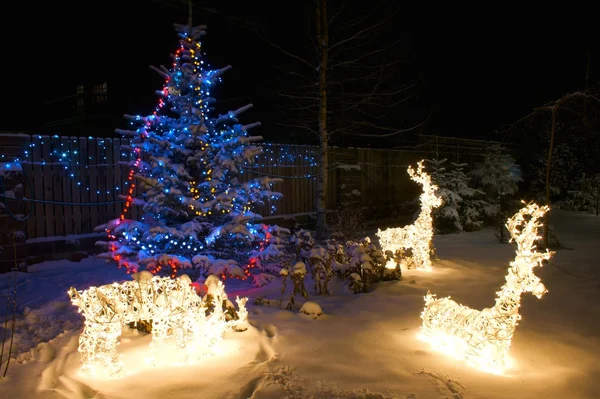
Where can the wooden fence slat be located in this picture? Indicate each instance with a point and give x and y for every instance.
(92, 147)
(65, 186)
(57, 192)
(85, 185)
(102, 179)
(28, 186)
(76, 185)
(38, 188)
(47, 185)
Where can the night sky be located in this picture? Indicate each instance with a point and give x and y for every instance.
(475, 79)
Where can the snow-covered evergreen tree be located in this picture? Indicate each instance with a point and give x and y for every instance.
(446, 218)
(193, 196)
(473, 207)
(499, 175)
(463, 207)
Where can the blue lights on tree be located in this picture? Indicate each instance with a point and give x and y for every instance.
(194, 199)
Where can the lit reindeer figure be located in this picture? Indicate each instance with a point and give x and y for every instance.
(483, 338)
(416, 236)
(173, 306)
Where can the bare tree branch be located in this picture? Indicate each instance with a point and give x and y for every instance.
(294, 56)
(393, 133)
(363, 31)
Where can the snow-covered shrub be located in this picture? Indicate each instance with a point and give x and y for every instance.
(312, 309)
(362, 263)
(586, 199)
(302, 242)
(320, 263)
(347, 220)
(271, 256)
(298, 275)
(224, 268)
(446, 218)
(498, 176)
(464, 207)
(473, 208)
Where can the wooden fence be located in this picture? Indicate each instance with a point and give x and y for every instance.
(76, 183)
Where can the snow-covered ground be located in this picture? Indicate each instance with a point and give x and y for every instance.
(364, 346)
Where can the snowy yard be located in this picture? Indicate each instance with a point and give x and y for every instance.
(364, 346)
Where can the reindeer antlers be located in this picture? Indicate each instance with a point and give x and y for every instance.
(524, 224)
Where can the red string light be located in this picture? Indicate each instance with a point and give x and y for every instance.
(132, 185)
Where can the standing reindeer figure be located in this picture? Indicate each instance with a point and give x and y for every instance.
(483, 338)
(416, 236)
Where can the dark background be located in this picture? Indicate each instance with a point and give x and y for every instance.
(476, 77)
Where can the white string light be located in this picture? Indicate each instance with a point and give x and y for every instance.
(483, 338)
(416, 236)
(172, 305)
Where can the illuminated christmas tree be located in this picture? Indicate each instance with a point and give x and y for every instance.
(190, 165)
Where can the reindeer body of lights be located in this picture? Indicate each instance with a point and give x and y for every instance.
(417, 236)
(483, 338)
(172, 305)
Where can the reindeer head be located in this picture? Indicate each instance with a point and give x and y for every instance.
(523, 227)
(428, 196)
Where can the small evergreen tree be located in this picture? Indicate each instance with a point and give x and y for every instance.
(498, 175)
(193, 195)
(464, 208)
(446, 218)
(473, 207)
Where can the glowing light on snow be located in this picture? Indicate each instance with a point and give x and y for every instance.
(416, 236)
(483, 337)
(174, 309)
(390, 264)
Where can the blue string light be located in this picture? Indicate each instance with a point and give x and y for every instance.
(273, 155)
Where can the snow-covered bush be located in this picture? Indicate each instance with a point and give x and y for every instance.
(362, 263)
(446, 218)
(586, 199)
(302, 242)
(297, 275)
(498, 176)
(473, 208)
(270, 257)
(464, 207)
(312, 309)
(347, 220)
(320, 261)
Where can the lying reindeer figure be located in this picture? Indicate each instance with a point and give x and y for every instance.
(416, 236)
(173, 306)
(483, 338)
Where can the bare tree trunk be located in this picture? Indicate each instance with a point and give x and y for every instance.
(548, 166)
(322, 42)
